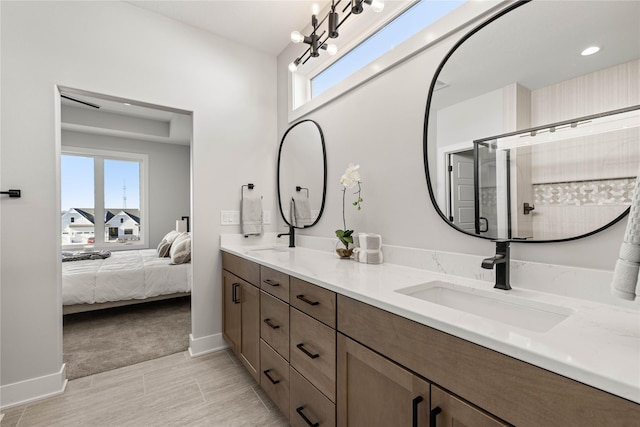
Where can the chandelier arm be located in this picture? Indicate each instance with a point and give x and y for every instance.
(343, 19)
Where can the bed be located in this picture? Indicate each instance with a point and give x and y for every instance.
(126, 277)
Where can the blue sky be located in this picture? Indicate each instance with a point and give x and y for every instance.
(421, 15)
(77, 183)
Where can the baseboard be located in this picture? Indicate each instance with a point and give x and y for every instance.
(33, 389)
(204, 345)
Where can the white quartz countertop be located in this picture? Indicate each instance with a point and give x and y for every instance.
(598, 344)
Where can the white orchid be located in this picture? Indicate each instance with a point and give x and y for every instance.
(350, 179)
(351, 176)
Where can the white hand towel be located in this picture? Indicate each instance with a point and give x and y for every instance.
(251, 213)
(369, 241)
(302, 211)
(625, 275)
(367, 256)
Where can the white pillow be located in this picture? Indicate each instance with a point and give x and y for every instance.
(180, 251)
(165, 244)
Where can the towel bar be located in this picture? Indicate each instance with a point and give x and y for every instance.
(12, 193)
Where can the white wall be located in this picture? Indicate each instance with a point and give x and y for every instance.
(169, 176)
(380, 126)
(117, 49)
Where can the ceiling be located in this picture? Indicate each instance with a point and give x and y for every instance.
(105, 115)
(264, 25)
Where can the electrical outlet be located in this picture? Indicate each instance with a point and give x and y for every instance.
(229, 217)
(266, 217)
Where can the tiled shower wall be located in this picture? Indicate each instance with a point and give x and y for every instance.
(575, 208)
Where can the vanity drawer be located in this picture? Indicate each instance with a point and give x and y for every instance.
(317, 302)
(312, 352)
(307, 405)
(274, 323)
(274, 378)
(245, 269)
(274, 282)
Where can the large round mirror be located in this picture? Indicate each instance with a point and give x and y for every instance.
(302, 174)
(528, 135)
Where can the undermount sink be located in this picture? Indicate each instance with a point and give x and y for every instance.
(502, 307)
(271, 249)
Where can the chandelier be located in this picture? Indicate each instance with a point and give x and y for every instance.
(319, 41)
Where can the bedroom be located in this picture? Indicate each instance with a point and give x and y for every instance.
(141, 155)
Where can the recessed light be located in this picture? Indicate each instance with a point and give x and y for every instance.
(590, 50)
(127, 104)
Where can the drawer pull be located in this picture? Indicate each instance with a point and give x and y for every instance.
(304, 417)
(432, 416)
(305, 351)
(271, 282)
(415, 404)
(302, 298)
(271, 325)
(270, 378)
(234, 293)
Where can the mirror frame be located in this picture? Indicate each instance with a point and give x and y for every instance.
(432, 194)
(324, 181)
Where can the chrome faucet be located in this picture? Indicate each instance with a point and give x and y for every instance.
(292, 236)
(501, 263)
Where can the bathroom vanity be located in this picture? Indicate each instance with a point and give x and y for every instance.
(338, 342)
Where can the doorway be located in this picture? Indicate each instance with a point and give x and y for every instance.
(461, 199)
(135, 188)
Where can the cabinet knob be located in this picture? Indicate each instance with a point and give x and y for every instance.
(414, 405)
(308, 301)
(266, 373)
(271, 324)
(234, 293)
(271, 282)
(307, 352)
(304, 417)
(432, 416)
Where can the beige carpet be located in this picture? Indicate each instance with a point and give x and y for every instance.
(103, 340)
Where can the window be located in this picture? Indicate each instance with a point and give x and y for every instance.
(421, 15)
(102, 192)
(374, 43)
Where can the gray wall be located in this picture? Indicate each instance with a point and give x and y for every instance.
(169, 176)
(380, 126)
(117, 49)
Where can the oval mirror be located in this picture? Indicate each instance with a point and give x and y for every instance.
(302, 174)
(528, 138)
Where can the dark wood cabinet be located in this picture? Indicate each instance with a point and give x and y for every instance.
(375, 392)
(449, 411)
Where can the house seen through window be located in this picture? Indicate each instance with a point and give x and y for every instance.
(108, 214)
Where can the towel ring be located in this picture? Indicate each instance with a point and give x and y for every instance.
(298, 188)
(249, 186)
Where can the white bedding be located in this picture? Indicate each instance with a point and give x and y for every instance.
(124, 275)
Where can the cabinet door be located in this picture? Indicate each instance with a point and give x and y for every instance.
(449, 411)
(374, 391)
(274, 327)
(312, 351)
(274, 282)
(307, 406)
(250, 334)
(275, 377)
(231, 308)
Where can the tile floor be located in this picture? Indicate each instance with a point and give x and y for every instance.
(176, 390)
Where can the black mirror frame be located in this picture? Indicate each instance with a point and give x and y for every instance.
(324, 183)
(432, 195)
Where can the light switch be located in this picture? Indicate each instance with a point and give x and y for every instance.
(229, 217)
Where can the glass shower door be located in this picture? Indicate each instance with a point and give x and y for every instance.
(491, 168)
